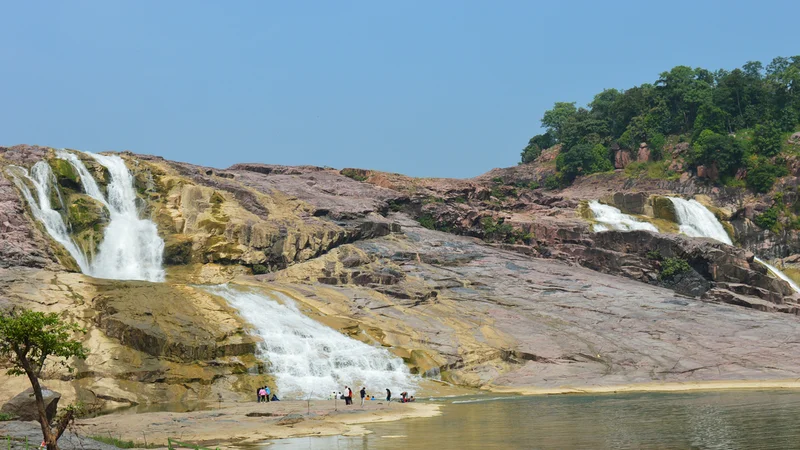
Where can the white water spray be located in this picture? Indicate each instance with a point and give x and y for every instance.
(696, 220)
(42, 178)
(611, 218)
(309, 359)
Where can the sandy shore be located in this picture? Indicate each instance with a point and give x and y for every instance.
(652, 387)
(253, 422)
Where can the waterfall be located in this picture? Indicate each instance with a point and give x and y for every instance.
(42, 178)
(309, 359)
(611, 218)
(131, 248)
(696, 220)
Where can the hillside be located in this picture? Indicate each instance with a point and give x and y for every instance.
(491, 282)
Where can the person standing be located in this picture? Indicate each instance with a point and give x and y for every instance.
(258, 395)
(266, 389)
(346, 395)
(363, 393)
(261, 394)
(388, 395)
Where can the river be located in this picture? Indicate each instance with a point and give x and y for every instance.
(696, 420)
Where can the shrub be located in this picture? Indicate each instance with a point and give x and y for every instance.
(355, 174)
(768, 220)
(552, 182)
(671, 267)
(259, 269)
(427, 221)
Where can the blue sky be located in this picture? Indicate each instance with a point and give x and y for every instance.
(425, 88)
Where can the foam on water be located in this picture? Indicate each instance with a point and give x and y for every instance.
(308, 359)
(611, 218)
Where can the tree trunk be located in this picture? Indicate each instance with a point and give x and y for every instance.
(49, 438)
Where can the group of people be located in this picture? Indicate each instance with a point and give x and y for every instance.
(263, 395)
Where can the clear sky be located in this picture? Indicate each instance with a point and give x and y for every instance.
(426, 88)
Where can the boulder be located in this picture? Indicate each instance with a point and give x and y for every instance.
(23, 405)
(794, 138)
(643, 154)
(622, 158)
(630, 203)
(663, 208)
(65, 174)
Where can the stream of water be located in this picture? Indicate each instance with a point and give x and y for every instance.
(309, 359)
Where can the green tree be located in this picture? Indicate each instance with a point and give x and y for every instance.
(721, 150)
(27, 339)
(762, 174)
(535, 146)
(583, 159)
(767, 139)
(554, 119)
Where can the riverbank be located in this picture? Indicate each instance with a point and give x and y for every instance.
(252, 423)
(651, 387)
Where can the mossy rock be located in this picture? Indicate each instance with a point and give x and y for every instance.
(178, 249)
(65, 174)
(84, 212)
(663, 208)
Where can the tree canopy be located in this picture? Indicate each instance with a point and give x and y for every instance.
(707, 109)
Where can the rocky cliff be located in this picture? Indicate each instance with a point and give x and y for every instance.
(484, 282)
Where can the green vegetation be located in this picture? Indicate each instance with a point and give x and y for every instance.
(259, 269)
(119, 443)
(728, 117)
(427, 221)
(769, 219)
(671, 267)
(355, 174)
(27, 339)
(5, 417)
(499, 231)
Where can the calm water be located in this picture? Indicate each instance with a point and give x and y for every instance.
(705, 420)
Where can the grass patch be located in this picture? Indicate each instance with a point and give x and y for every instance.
(5, 417)
(119, 443)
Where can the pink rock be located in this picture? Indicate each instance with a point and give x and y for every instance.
(621, 159)
(644, 154)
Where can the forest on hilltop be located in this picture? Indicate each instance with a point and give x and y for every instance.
(736, 125)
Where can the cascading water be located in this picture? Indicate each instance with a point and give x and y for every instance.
(309, 359)
(131, 248)
(41, 177)
(611, 218)
(696, 220)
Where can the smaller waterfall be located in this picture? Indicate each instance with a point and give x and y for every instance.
(42, 178)
(775, 271)
(611, 218)
(696, 220)
(309, 359)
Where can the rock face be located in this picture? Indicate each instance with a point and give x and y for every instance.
(487, 281)
(23, 405)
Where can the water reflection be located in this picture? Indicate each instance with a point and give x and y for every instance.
(707, 420)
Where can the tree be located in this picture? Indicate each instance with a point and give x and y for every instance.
(27, 339)
(721, 150)
(555, 118)
(583, 159)
(767, 139)
(535, 146)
